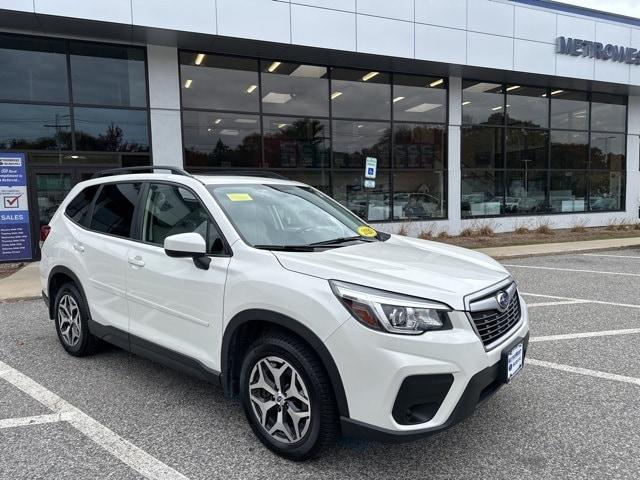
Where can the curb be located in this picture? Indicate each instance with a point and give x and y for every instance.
(20, 299)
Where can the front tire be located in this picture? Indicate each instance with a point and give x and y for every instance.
(287, 397)
(72, 322)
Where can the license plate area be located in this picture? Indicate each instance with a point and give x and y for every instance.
(512, 360)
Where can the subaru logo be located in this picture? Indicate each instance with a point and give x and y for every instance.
(502, 299)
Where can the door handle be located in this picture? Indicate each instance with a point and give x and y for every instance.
(78, 247)
(136, 261)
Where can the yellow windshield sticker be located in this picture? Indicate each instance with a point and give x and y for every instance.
(366, 231)
(239, 197)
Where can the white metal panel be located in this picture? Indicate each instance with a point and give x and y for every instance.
(487, 16)
(397, 39)
(255, 19)
(324, 28)
(164, 88)
(634, 71)
(633, 115)
(574, 27)
(186, 15)
(614, 34)
(538, 25)
(398, 9)
(535, 57)
(346, 5)
(166, 137)
(609, 70)
(489, 51)
(452, 13)
(118, 11)
(574, 67)
(441, 44)
(21, 5)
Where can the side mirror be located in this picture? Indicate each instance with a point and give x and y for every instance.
(185, 245)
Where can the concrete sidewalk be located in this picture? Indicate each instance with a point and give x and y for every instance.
(25, 283)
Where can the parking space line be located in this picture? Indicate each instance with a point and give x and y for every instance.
(584, 371)
(571, 336)
(136, 458)
(578, 270)
(607, 255)
(34, 420)
(551, 304)
(582, 300)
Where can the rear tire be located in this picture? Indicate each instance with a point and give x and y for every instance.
(287, 397)
(71, 317)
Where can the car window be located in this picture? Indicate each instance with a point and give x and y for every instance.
(78, 208)
(114, 207)
(170, 209)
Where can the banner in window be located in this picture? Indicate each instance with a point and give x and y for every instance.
(15, 233)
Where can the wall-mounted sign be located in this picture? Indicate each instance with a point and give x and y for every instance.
(600, 51)
(15, 234)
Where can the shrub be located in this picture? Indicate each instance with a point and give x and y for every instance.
(403, 230)
(467, 232)
(543, 226)
(485, 231)
(444, 234)
(522, 230)
(427, 232)
(579, 225)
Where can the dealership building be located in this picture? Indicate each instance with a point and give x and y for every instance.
(467, 112)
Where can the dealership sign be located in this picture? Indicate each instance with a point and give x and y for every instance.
(15, 236)
(600, 51)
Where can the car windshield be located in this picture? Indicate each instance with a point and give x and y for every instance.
(288, 216)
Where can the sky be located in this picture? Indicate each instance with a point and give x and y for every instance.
(630, 8)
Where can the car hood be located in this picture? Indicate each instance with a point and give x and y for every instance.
(410, 266)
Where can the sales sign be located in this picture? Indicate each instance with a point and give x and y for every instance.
(15, 233)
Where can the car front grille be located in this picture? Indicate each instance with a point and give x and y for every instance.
(491, 325)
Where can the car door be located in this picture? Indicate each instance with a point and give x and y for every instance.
(104, 247)
(172, 303)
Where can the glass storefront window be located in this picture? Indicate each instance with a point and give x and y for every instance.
(108, 75)
(606, 191)
(219, 82)
(482, 103)
(481, 147)
(33, 69)
(360, 94)
(419, 195)
(482, 193)
(569, 150)
(419, 99)
(608, 151)
(34, 127)
(608, 113)
(527, 106)
(569, 110)
(320, 179)
(294, 89)
(568, 192)
(419, 146)
(113, 130)
(213, 139)
(526, 148)
(296, 142)
(354, 141)
(526, 192)
(373, 204)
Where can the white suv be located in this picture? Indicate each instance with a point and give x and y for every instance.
(318, 323)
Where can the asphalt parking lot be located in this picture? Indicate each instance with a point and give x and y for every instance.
(571, 413)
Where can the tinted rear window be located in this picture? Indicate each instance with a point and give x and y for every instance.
(113, 210)
(78, 208)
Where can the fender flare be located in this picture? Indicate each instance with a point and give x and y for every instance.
(296, 327)
(66, 271)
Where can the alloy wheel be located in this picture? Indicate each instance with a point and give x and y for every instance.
(69, 320)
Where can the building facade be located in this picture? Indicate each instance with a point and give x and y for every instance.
(472, 112)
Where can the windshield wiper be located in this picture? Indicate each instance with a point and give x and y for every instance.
(337, 241)
(286, 248)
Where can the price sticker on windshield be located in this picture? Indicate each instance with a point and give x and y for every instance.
(239, 197)
(365, 231)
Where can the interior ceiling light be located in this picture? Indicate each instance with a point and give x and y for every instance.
(496, 108)
(282, 125)
(481, 87)
(309, 71)
(369, 76)
(360, 126)
(513, 87)
(228, 131)
(187, 83)
(199, 58)
(437, 82)
(556, 92)
(245, 120)
(251, 88)
(423, 107)
(397, 99)
(464, 104)
(335, 95)
(544, 94)
(218, 120)
(274, 66)
(273, 97)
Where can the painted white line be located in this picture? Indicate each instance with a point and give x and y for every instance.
(584, 371)
(578, 270)
(549, 304)
(34, 420)
(582, 300)
(136, 458)
(571, 336)
(606, 255)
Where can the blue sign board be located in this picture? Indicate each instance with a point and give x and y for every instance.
(15, 232)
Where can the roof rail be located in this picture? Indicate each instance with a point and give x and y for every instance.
(140, 169)
(242, 173)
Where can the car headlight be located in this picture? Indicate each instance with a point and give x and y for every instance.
(390, 312)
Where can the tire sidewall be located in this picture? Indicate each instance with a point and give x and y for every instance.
(302, 448)
(70, 289)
